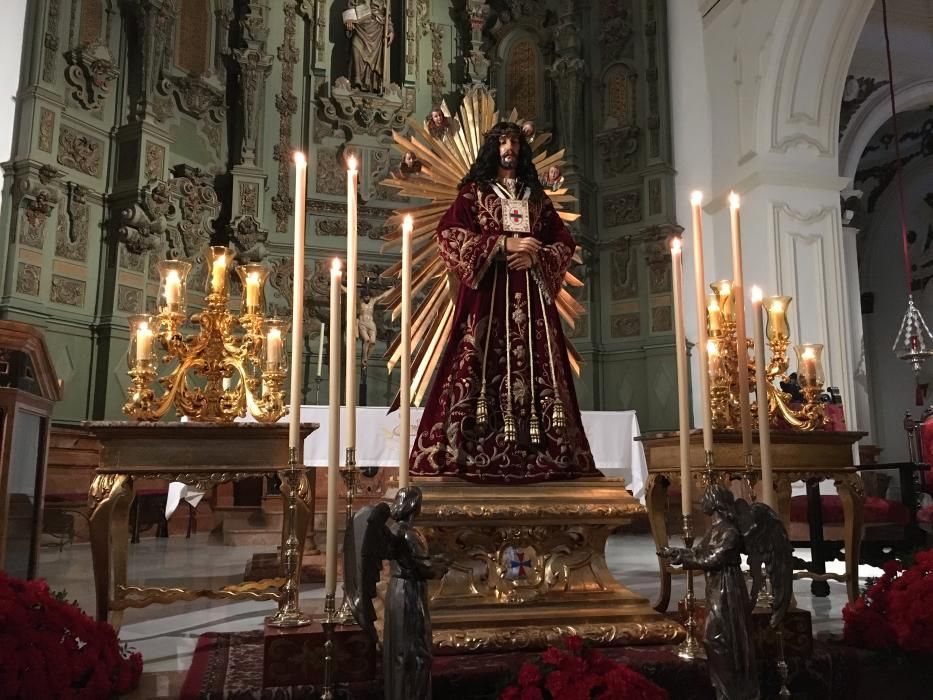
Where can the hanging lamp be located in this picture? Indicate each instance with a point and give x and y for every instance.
(914, 343)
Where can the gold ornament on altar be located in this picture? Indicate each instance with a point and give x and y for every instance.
(445, 159)
(249, 346)
(723, 365)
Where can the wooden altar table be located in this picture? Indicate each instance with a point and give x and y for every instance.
(796, 456)
(200, 454)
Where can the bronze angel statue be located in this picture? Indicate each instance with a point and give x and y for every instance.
(736, 528)
(379, 532)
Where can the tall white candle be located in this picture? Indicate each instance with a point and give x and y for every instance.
(298, 299)
(350, 387)
(683, 410)
(741, 338)
(696, 199)
(333, 445)
(405, 388)
(761, 393)
(320, 350)
(143, 342)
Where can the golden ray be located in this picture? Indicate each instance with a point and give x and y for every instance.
(444, 164)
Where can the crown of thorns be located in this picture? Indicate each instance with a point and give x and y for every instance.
(504, 128)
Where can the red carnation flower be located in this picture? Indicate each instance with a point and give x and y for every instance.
(529, 675)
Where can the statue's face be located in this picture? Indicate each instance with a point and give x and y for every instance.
(553, 173)
(528, 129)
(409, 158)
(437, 118)
(508, 151)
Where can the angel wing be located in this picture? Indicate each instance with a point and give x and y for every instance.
(767, 545)
(366, 545)
(444, 164)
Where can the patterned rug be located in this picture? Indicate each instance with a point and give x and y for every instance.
(229, 667)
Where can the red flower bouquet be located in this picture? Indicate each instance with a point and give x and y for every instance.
(50, 649)
(576, 672)
(896, 612)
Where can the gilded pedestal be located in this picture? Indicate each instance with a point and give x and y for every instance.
(528, 566)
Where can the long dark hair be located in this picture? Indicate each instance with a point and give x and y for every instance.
(486, 166)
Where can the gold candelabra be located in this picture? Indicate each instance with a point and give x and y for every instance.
(350, 475)
(248, 346)
(724, 358)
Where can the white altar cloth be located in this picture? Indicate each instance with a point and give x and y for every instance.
(611, 434)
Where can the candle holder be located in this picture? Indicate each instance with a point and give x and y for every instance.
(328, 624)
(289, 613)
(691, 648)
(350, 475)
(723, 367)
(225, 346)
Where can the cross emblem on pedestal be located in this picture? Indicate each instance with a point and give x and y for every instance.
(519, 564)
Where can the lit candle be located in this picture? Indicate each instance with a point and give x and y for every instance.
(333, 446)
(172, 288)
(777, 317)
(696, 199)
(274, 348)
(741, 342)
(298, 303)
(219, 274)
(252, 290)
(143, 342)
(714, 314)
(405, 359)
(683, 410)
(807, 369)
(761, 393)
(320, 350)
(714, 360)
(350, 380)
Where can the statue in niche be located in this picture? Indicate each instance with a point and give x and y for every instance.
(369, 28)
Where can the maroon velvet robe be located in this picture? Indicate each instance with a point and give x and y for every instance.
(449, 441)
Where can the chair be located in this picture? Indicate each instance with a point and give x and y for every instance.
(890, 526)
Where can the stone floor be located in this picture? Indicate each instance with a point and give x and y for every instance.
(166, 634)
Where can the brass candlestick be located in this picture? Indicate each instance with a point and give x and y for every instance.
(247, 346)
(328, 624)
(350, 475)
(691, 648)
(289, 613)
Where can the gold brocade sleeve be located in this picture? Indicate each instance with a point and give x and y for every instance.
(465, 245)
(557, 251)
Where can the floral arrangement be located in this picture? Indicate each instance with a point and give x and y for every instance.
(896, 612)
(578, 672)
(51, 649)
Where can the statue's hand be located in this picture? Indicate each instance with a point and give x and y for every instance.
(349, 26)
(673, 554)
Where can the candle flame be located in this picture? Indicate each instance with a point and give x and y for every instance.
(143, 327)
(713, 306)
(221, 260)
(274, 333)
(726, 289)
(712, 348)
(351, 164)
(407, 224)
(808, 354)
(733, 200)
(300, 160)
(757, 296)
(335, 266)
(676, 246)
(696, 198)
(776, 307)
(172, 276)
(252, 278)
